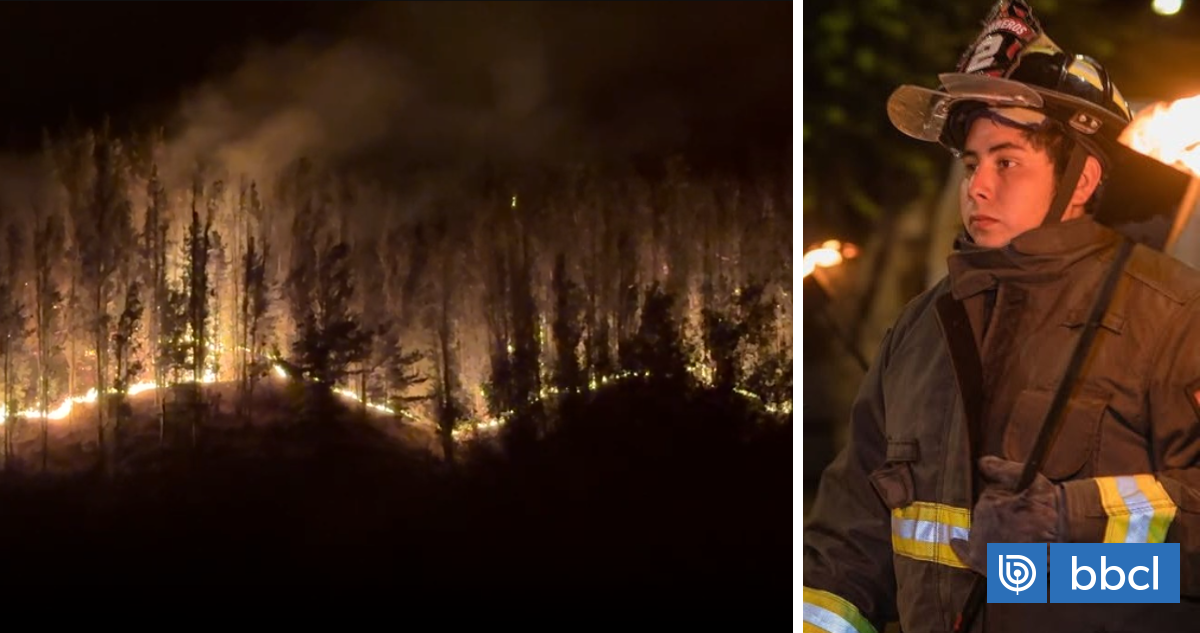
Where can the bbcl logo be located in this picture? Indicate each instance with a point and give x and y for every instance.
(1114, 572)
(1104, 571)
(1119, 573)
(1017, 573)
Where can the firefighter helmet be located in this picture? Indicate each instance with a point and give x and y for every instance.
(1014, 64)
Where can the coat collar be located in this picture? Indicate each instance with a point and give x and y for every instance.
(1039, 254)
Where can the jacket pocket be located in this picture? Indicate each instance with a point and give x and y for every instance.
(893, 481)
(1072, 451)
(1111, 321)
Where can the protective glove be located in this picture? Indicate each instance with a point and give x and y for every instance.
(1036, 515)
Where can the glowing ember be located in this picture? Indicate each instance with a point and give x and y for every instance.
(1169, 132)
(702, 373)
(64, 409)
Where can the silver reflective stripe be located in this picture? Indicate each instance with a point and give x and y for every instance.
(1141, 512)
(826, 619)
(927, 531)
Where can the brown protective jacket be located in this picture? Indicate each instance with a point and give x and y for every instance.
(876, 543)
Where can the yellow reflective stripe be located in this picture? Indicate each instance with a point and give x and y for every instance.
(1138, 507)
(938, 512)
(825, 612)
(1164, 509)
(923, 531)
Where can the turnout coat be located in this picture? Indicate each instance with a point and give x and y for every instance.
(877, 541)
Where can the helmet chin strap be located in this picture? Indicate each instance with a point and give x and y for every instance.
(1066, 186)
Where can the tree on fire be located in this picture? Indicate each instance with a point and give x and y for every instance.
(14, 318)
(462, 305)
(49, 247)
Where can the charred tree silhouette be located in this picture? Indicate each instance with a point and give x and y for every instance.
(568, 332)
(527, 421)
(658, 349)
(13, 332)
(176, 347)
(765, 359)
(501, 398)
(450, 412)
(155, 245)
(627, 291)
(255, 292)
(126, 352)
(330, 338)
(219, 279)
(70, 159)
(373, 311)
(256, 320)
(197, 245)
(104, 234)
(49, 248)
(748, 320)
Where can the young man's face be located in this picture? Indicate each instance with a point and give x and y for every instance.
(1008, 184)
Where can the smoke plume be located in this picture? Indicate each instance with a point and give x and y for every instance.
(402, 85)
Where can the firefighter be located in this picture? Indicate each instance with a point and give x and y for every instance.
(949, 413)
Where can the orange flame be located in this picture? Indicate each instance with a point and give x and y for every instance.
(827, 255)
(1168, 132)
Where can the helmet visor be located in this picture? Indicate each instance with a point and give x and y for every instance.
(922, 113)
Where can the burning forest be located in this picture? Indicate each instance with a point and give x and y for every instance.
(456, 312)
(508, 298)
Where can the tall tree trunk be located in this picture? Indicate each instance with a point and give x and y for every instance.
(43, 354)
(9, 414)
(44, 388)
(154, 235)
(449, 409)
(160, 279)
(243, 325)
(101, 387)
(72, 335)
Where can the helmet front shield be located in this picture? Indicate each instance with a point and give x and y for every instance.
(922, 113)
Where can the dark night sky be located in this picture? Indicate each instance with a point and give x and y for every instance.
(530, 80)
(119, 58)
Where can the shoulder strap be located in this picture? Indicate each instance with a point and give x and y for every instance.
(968, 371)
